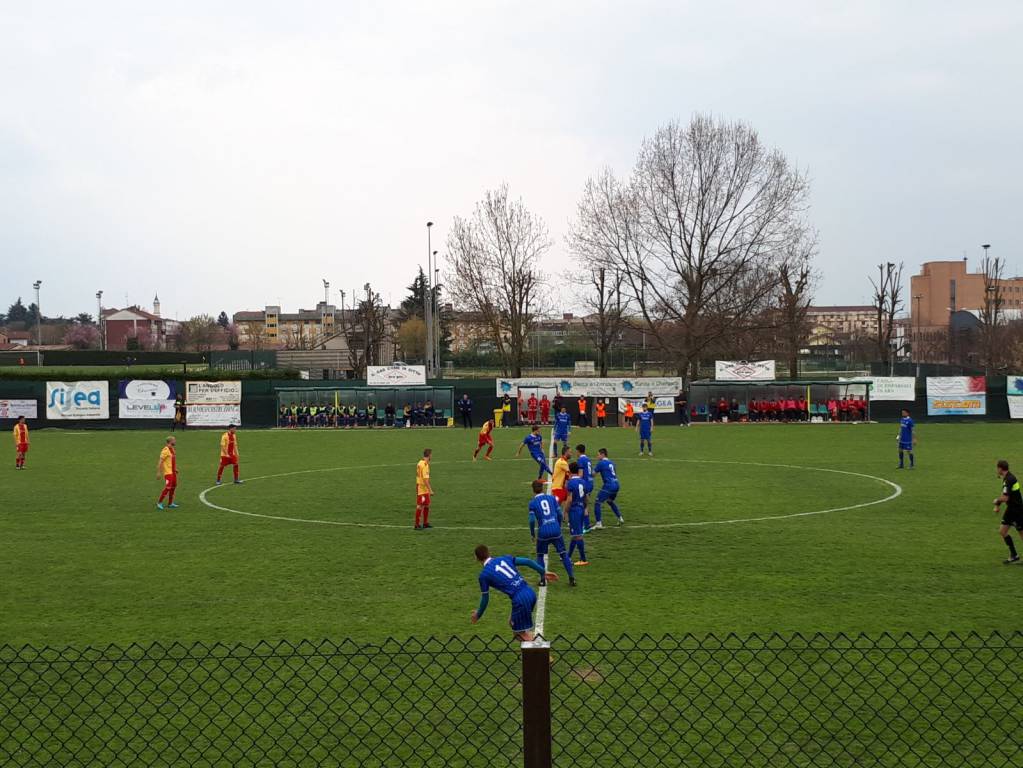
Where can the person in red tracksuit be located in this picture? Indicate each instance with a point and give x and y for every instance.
(531, 408)
(545, 409)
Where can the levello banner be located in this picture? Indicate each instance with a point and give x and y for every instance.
(146, 399)
(744, 370)
(956, 396)
(77, 400)
(583, 387)
(12, 409)
(213, 403)
(395, 375)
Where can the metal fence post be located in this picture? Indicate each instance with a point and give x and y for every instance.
(536, 704)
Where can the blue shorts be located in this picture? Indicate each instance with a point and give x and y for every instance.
(643, 437)
(560, 437)
(575, 520)
(905, 446)
(539, 458)
(543, 545)
(522, 610)
(607, 494)
(588, 487)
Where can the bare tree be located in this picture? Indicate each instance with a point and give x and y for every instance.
(887, 303)
(697, 232)
(796, 279)
(254, 333)
(991, 328)
(199, 332)
(365, 330)
(600, 294)
(496, 271)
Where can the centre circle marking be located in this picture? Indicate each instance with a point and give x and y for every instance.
(896, 491)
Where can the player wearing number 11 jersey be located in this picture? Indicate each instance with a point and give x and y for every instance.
(545, 529)
(502, 574)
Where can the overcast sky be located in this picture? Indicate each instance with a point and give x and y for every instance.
(233, 154)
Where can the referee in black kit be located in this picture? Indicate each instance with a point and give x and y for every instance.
(1013, 515)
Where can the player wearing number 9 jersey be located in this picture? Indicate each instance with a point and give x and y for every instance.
(545, 529)
(502, 574)
(609, 488)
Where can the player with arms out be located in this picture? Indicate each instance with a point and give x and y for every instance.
(229, 453)
(609, 488)
(502, 574)
(534, 441)
(562, 426)
(486, 438)
(1013, 515)
(645, 425)
(545, 529)
(906, 438)
(576, 503)
(561, 473)
(167, 469)
(424, 490)
(21, 442)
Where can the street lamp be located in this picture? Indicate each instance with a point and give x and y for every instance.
(99, 320)
(428, 302)
(39, 315)
(436, 315)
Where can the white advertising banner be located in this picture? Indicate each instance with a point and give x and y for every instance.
(145, 409)
(77, 400)
(744, 370)
(1015, 407)
(663, 403)
(899, 388)
(12, 409)
(213, 392)
(214, 414)
(146, 399)
(941, 386)
(583, 387)
(395, 375)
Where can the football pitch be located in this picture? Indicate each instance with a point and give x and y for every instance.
(738, 528)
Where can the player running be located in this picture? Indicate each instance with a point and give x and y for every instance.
(424, 490)
(21, 442)
(560, 479)
(1013, 515)
(562, 426)
(534, 441)
(645, 425)
(576, 504)
(545, 515)
(229, 453)
(609, 488)
(906, 438)
(167, 468)
(486, 438)
(502, 574)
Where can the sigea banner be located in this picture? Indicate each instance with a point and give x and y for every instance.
(77, 400)
(12, 409)
(744, 370)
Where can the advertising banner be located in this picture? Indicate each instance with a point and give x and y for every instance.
(956, 385)
(395, 375)
(744, 370)
(582, 387)
(146, 399)
(664, 403)
(902, 388)
(957, 405)
(77, 400)
(214, 414)
(12, 409)
(1015, 407)
(213, 392)
(1014, 385)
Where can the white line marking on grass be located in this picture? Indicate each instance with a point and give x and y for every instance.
(896, 492)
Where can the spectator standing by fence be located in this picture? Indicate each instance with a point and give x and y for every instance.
(465, 408)
(682, 407)
(506, 410)
(584, 419)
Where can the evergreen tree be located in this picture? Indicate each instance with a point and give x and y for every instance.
(17, 312)
(223, 320)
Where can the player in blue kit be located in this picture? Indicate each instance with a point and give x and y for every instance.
(545, 515)
(586, 467)
(609, 488)
(502, 574)
(534, 441)
(576, 503)
(562, 426)
(645, 425)
(906, 438)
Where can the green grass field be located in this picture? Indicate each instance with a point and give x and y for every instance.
(89, 560)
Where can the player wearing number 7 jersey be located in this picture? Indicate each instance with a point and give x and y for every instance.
(502, 574)
(545, 529)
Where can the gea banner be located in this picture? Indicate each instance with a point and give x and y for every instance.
(395, 375)
(1014, 385)
(582, 387)
(214, 414)
(77, 400)
(663, 404)
(145, 399)
(213, 392)
(12, 409)
(744, 370)
(1015, 407)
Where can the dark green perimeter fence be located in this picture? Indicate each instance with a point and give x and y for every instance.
(821, 700)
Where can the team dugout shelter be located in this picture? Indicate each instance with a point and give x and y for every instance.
(744, 401)
(327, 400)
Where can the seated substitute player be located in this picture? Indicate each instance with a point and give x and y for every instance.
(576, 503)
(609, 488)
(562, 426)
(545, 529)
(561, 473)
(1013, 515)
(486, 438)
(534, 441)
(21, 442)
(906, 438)
(645, 425)
(424, 490)
(167, 469)
(502, 574)
(229, 453)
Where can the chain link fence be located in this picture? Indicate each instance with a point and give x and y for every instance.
(820, 700)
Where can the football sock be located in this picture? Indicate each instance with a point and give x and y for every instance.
(541, 561)
(163, 494)
(911, 462)
(426, 515)
(571, 547)
(235, 467)
(597, 510)
(170, 496)
(419, 515)
(901, 461)
(490, 449)
(568, 565)
(1011, 546)
(220, 474)
(614, 508)
(582, 550)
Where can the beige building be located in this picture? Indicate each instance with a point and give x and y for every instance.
(944, 287)
(274, 329)
(830, 325)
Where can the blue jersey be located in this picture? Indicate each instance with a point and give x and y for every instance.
(906, 431)
(562, 423)
(545, 510)
(587, 467)
(576, 489)
(646, 423)
(501, 574)
(535, 444)
(606, 469)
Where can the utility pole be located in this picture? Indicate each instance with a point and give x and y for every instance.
(436, 316)
(99, 321)
(39, 315)
(428, 303)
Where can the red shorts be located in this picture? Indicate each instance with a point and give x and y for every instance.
(171, 480)
(560, 494)
(22, 447)
(423, 501)
(226, 461)
(485, 440)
